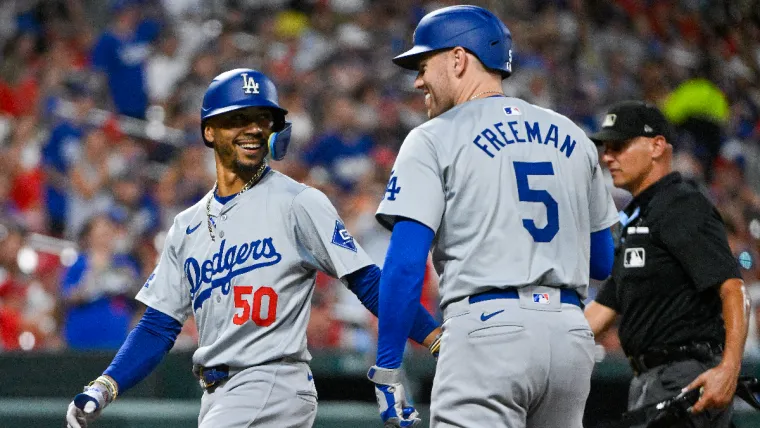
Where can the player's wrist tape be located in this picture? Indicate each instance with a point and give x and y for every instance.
(384, 376)
(435, 347)
(111, 390)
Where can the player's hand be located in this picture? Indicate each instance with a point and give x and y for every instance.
(395, 411)
(717, 385)
(87, 406)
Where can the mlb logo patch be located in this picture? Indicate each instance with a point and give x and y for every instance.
(512, 111)
(541, 298)
(634, 258)
(342, 238)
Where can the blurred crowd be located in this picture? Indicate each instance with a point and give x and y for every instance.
(100, 144)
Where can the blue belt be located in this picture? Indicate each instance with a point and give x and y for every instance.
(566, 295)
(210, 376)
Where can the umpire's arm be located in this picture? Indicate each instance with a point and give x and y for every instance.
(599, 317)
(719, 383)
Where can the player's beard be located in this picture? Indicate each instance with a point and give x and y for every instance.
(244, 165)
(248, 168)
(441, 99)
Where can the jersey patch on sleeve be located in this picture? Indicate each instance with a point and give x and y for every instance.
(150, 278)
(342, 238)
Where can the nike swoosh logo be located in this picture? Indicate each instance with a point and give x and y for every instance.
(484, 317)
(189, 230)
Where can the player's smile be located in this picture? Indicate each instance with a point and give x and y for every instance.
(250, 146)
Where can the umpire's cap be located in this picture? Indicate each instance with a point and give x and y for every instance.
(631, 119)
(471, 27)
(238, 89)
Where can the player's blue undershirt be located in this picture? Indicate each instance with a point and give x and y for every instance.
(401, 288)
(156, 332)
(404, 271)
(602, 254)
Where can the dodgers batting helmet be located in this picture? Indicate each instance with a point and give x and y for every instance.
(471, 27)
(242, 88)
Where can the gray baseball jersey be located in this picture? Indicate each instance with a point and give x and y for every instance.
(512, 191)
(250, 289)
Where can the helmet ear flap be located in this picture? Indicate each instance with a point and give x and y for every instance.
(279, 141)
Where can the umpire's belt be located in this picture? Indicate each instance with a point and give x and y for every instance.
(566, 296)
(210, 377)
(704, 352)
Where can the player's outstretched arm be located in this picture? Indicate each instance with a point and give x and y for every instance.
(400, 290)
(144, 348)
(365, 284)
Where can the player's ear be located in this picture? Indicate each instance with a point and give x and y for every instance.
(460, 59)
(208, 133)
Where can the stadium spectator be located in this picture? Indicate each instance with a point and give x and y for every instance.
(98, 290)
(60, 152)
(88, 191)
(121, 53)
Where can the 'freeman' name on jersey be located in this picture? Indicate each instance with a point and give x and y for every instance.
(521, 132)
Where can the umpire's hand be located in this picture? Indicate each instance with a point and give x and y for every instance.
(395, 411)
(717, 386)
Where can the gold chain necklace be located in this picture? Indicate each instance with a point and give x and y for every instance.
(485, 92)
(252, 182)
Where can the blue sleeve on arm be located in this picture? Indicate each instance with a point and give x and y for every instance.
(365, 283)
(602, 254)
(400, 289)
(144, 348)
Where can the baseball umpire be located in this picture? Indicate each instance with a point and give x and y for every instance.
(675, 284)
(243, 262)
(512, 197)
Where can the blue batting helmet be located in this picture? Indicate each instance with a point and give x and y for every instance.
(242, 88)
(471, 27)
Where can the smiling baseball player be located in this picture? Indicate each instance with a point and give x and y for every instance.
(512, 199)
(243, 262)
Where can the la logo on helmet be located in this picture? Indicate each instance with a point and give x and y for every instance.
(249, 85)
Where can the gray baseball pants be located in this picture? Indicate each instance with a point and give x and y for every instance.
(513, 363)
(276, 395)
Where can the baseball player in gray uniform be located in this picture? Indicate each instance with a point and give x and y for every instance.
(511, 198)
(243, 262)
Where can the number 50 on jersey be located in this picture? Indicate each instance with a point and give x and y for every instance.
(251, 304)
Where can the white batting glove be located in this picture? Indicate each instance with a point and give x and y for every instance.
(395, 411)
(87, 405)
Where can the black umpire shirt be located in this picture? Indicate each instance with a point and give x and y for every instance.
(672, 257)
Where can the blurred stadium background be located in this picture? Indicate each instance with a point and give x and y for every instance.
(100, 148)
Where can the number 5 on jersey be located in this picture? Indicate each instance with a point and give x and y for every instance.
(525, 194)
(252, 307)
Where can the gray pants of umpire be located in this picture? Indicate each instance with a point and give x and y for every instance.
(666, 381)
